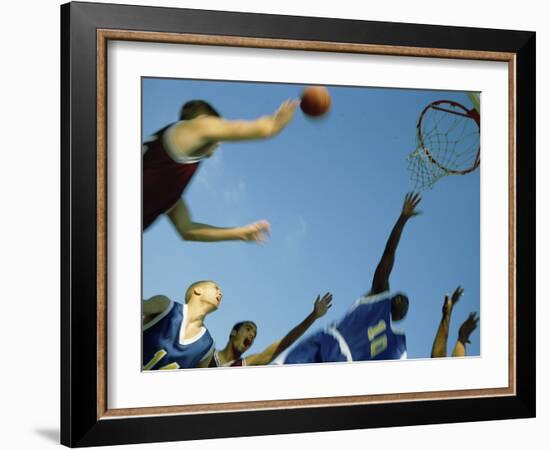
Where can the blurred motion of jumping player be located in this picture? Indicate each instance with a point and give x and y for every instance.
(172, 155)
(365, 332)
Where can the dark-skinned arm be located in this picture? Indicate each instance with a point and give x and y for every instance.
(381, 279)
(469, 325)
(320, 308)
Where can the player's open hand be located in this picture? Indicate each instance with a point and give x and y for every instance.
(284, 115)
(257, 232)
(409, 205)
(322, 305)
(469, 325)
(451, 301)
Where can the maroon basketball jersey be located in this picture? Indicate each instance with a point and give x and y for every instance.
(164, 177)
(215, 362)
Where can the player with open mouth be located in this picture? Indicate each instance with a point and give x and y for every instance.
(243, 334)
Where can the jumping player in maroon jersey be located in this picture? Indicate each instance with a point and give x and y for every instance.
(243, 334)
(172, 155)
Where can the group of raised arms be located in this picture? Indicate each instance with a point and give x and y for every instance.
(174, 334)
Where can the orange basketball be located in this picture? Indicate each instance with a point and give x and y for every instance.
(315, 101)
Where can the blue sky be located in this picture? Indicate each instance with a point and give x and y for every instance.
(332, 190)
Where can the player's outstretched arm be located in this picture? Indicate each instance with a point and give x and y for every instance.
(439, 347)
(193, 231)
(214, 129)
(466, 329)
(320, 308)
(380, 282)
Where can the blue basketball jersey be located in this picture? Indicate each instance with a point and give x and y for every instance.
(363, 334)
(164, 346)
(318, 347)
(367, 333)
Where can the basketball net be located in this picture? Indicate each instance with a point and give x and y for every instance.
(447, 143)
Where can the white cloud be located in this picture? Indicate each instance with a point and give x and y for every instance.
(209, 173)
(211, 178)
(236, 193)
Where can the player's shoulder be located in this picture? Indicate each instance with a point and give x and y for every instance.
(156, 309)
(160, 297)
(371, 300)
(198, 123)
(158, 133)
(159, 302)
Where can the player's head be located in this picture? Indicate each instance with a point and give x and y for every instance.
(207, 293)
(195, 108)
(399, 306)
(242, 336)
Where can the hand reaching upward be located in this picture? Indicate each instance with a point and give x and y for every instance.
(409, 205)
(322, 305)
(449, 303)
(467, 328)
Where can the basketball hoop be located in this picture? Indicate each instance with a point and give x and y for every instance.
(447, 143)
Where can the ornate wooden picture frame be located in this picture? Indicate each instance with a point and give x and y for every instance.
(86, 418)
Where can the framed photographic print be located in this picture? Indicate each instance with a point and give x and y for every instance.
(276, 224)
